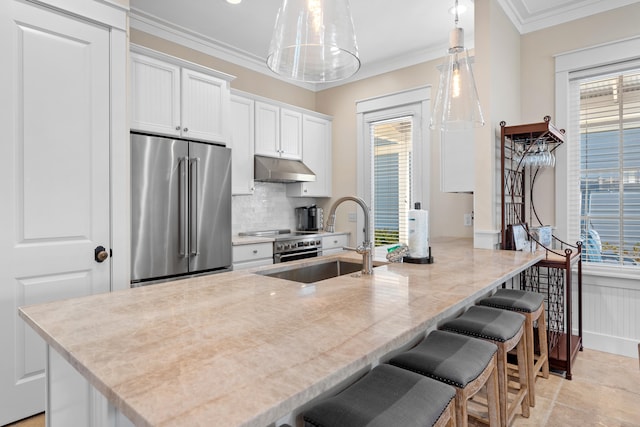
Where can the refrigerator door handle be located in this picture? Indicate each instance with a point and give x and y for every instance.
(194, 165)
(184, 191)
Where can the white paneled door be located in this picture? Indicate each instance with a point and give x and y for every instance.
(54, 181)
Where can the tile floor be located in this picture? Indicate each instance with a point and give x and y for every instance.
(605, 391)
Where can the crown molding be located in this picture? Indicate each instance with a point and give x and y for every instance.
(196, 41)
(193, 40)
(527, 21)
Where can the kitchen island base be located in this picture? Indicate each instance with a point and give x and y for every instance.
(73, 402)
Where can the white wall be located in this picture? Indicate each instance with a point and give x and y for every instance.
(498, 79)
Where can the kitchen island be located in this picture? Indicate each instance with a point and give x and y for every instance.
(243, 349)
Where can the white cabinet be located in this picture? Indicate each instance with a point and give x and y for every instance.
(457, 166)
(278, 131)
(252, 255)
(155, 96)
(333, 244)
(290, 134)
(173, 100)
(241, 144)
(316, 154)
(205, 106)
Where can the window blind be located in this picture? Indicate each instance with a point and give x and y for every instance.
(604, 163)
(392, 169)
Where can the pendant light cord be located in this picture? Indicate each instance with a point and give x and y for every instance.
(456, 9)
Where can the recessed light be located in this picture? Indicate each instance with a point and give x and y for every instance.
(234, 1)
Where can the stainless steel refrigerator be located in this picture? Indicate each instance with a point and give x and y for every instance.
(180, 208)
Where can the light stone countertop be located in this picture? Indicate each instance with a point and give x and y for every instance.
(241, 349)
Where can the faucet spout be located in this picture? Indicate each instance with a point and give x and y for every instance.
(366, 248)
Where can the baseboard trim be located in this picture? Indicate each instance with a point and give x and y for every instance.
(616, 345)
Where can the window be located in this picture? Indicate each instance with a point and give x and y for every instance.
(393, 160)
(392, 152)
(606, 113)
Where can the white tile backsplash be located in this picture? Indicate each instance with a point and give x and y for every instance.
(268, 208)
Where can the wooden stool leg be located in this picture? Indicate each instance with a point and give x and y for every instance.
(462, 415)
(523, 373)
(452, 415)
(507, 408)
(544, 347)
(503, 391)
(531, 371)
(448, 417)
(494, 404)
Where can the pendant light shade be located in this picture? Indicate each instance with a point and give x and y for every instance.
(313, 41)
(457, 105)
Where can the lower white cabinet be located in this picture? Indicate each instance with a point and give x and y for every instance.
(252, 255)
(333, 244)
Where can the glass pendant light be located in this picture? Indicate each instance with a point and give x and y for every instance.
(313, 41)
(457, 105)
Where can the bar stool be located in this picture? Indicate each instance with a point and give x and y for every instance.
(466, 363)
(531, 305)
(505, 329)
(386, 396)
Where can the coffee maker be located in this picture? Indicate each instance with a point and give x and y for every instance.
(309, 218)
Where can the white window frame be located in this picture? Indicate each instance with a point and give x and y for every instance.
(567, 65)
(413, 102)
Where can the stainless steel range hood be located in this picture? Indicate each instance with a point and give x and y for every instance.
(271, 169)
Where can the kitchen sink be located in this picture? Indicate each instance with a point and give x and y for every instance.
(315, 272)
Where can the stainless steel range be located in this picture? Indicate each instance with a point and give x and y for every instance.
(290, 246)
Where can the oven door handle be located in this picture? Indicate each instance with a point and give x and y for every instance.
(282, 257)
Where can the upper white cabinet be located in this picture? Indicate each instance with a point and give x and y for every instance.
(457, 167)
(316, 154)
(241, 144)
(175, 100)
(278, 131)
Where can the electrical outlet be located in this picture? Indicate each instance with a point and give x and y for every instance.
(352, 217)
(468, 220)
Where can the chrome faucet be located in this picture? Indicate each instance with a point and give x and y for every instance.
(366, 248)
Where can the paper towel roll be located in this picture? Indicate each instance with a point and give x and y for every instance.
(418, 233)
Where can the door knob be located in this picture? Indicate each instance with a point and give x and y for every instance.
(100, 254)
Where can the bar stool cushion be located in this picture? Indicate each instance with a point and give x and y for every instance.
(386, 396)
(451, 358)
(487, 323)
(514, 299)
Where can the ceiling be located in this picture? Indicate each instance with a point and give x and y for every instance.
(388, 37)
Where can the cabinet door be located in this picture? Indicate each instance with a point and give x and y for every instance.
(241, 143)
(205, 102)
(316, 153)
(267, 130)
(457, 167)
(334, 244)
(155, 96)
(290, 134)
(253, 255)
